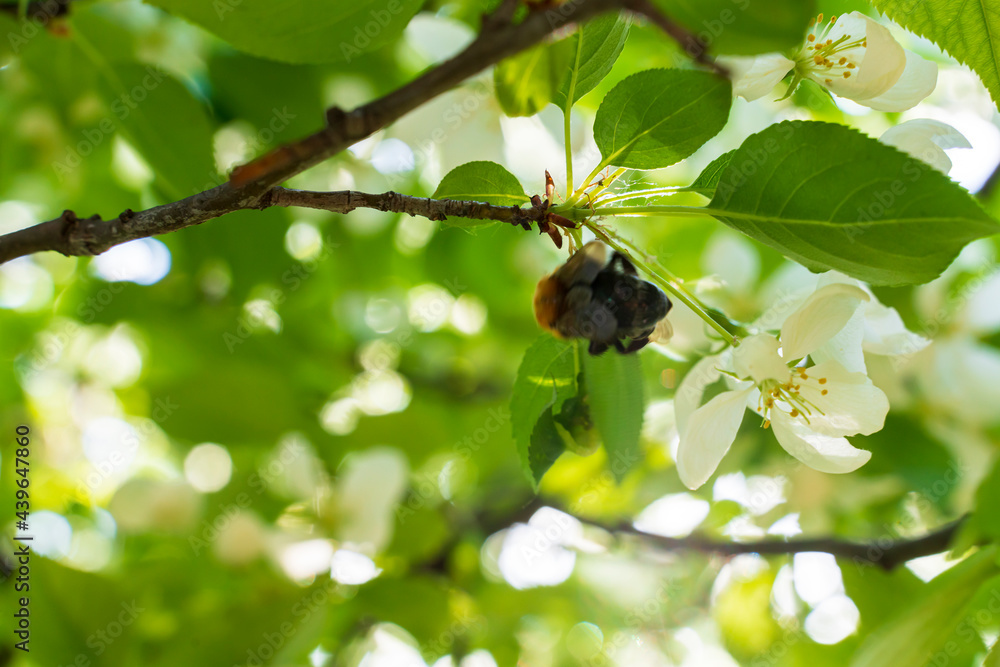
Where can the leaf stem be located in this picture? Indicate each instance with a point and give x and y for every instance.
(651, 210)
(567, 140)
(667, 190)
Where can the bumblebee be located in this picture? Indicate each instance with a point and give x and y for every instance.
(601, 301)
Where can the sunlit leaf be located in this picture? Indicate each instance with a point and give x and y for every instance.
(546, 378)
(658, 117)
(593, 50)
(614, 386)
(480, 181)
(966, 30)
(829, 197)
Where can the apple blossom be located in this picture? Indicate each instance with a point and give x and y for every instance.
(810, 408)
(926, 140)
(853, 57)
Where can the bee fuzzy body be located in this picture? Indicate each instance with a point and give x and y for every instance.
(602, 301)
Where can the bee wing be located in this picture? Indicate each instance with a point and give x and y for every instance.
(584, 265)
(662, 332)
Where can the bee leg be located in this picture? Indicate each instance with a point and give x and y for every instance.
(596, 349)
(635, 345)
(624, 265)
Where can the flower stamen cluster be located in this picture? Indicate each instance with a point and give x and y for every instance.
(851, 56)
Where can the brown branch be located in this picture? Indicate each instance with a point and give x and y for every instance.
(74, 236)
(252, 183)
(886, 556)
(435, 209)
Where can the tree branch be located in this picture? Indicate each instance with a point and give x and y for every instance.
(435, 209)
(886, 556)
(251, 183)
(71, 235)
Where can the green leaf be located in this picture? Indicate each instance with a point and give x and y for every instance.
(966, 30)
(299, 31)
(709, 177)
(546, 446)
(659, 117)
(742, 27)
(163, 122)
(593, 50)
(830, 197)
(480, 181)
(923, 628)
(546, 378)
(614, 383)
(527, 82)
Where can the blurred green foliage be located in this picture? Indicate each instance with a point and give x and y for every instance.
(357, 370)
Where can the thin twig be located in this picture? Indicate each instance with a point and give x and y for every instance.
(74, 236)
(886, 556)
(435, 209)
(249, 184)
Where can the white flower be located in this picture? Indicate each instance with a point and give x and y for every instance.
(811, 408)
(853, 57)
(874, 328)
(926, 140)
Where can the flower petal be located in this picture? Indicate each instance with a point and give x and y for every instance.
(886, 334)
(689, 393)
(881, 64)
(847, 403)
(819, 452)
(757, 357)
(926, 139)
(918, 80)
(821, 316)
(755, 76)
(846, 346)
(708, 436)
